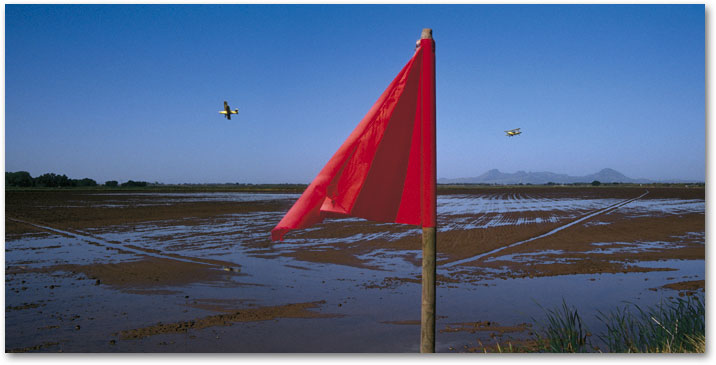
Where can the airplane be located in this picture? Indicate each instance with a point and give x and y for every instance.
(227, 111)
(513, 132)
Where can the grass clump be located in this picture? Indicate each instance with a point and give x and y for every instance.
(563, 332)
(672, 326)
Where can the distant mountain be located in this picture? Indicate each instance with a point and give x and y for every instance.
(494, 176)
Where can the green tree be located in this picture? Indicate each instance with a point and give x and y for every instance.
(19, 178)
(596, 183)
(85, 182)
(132, 183)
(111, 183)
(51, 180)
(48, 180)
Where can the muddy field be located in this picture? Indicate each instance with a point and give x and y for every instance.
(94, 271)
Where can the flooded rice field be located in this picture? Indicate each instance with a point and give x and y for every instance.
(197, 272)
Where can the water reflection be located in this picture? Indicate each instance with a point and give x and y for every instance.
(372, 300)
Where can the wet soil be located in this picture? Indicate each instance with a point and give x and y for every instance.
(175, 265)
(147, 273)
(488, 326)
(687, 287)
(502, 338)
(577, 253)
(298, 310)
(572, 251)
(82, 209)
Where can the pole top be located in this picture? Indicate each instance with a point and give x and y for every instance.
(427, 33)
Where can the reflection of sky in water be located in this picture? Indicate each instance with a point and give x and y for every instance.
(219, 237)
(454, 211)
(49, 250)
(601, 248)
(528, 257)
(449, 223)
(519, 300)
(608, 248)
(646, 207)
(470, 204)
(283, 280)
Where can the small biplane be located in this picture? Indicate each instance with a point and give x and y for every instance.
(227, 111)
(513, 132)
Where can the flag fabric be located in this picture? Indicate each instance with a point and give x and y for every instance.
(385, 170)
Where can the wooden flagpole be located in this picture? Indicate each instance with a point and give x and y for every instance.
(427, 312)
(427, 316)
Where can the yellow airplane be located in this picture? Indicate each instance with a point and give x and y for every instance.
(513, 132)
(227, 111)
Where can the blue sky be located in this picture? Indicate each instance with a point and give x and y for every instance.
(116, 92)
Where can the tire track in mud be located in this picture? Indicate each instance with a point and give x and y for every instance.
(590, 215)
(84, 236)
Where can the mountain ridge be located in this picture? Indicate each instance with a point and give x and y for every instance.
(495, 176)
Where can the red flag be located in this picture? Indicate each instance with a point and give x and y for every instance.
(385, 170)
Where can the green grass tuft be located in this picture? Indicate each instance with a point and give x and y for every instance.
(563, 332)
(672, 326)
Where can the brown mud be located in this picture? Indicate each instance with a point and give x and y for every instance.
(618, 252)
(82, 210)
(503, 338)
(298, 310)
(148, 273)
(617, 244)
(577, 252)
(687, 287)
(407, 322)
(489, 326)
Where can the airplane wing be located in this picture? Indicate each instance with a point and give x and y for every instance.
(223, 112)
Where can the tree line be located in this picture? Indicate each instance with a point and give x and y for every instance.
(51, 180)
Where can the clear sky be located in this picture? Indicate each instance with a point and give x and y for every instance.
(116, 92)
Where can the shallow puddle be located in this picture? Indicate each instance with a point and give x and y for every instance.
(369, 300)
